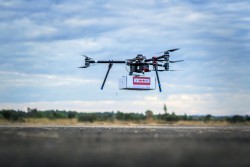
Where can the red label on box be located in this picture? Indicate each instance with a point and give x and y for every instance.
(141, 80)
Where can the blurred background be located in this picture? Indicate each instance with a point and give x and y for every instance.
(41, 44)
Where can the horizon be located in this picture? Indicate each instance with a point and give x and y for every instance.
(143, 113)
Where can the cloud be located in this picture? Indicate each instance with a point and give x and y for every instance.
(23, 87)
(12, 79)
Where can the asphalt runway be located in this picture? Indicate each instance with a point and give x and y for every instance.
(125, 146)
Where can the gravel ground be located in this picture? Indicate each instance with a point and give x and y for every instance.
(125, 146)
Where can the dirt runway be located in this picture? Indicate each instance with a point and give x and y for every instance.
(125, 146)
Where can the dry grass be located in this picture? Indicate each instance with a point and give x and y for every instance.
(4, 121)
(42, 121)
(202, 123)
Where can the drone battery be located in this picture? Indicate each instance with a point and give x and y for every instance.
(137, 83)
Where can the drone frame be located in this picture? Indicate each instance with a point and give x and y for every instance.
(139, 61)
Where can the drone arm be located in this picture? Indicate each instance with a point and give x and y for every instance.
(161, 57)
(89, 61)
(156, 58)
(104, 61)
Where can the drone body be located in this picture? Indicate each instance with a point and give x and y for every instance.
(138, 65)
(137, 83)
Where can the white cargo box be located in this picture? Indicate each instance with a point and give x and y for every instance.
(137, 83)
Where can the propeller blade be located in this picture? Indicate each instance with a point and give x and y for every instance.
(170, 50)
(174, 70)
(85, 56)
(176, 61)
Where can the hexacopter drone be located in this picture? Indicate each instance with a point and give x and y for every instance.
(138, 65)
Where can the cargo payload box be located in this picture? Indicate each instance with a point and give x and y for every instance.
(137, 83)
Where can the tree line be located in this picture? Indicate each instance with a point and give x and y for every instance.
(19, 115)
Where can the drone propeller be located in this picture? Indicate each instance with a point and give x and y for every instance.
(176, 61)
(174, 70)
(87, 61)
(85, 56)
(170, 50)
(162, 60)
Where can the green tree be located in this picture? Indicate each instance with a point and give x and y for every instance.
(72, 114)
(149, 114)
(13, 115)
(87, 117)
(34, 113)
(165, 108)
(236, 119)
(184, 117)
(247, 118)
(7, 114)
(119, 115)
(207, 118)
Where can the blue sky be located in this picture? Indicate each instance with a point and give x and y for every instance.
(41, 43)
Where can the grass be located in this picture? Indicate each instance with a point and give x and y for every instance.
(40, 121)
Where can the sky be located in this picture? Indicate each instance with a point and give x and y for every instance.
(41, 43)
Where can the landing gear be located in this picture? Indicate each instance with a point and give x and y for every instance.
(109, 67)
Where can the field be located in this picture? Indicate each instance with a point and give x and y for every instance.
(75, 122)
(124, 145)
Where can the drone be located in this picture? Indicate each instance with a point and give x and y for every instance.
(138, 66)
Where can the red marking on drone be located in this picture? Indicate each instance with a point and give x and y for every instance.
(141, 80)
